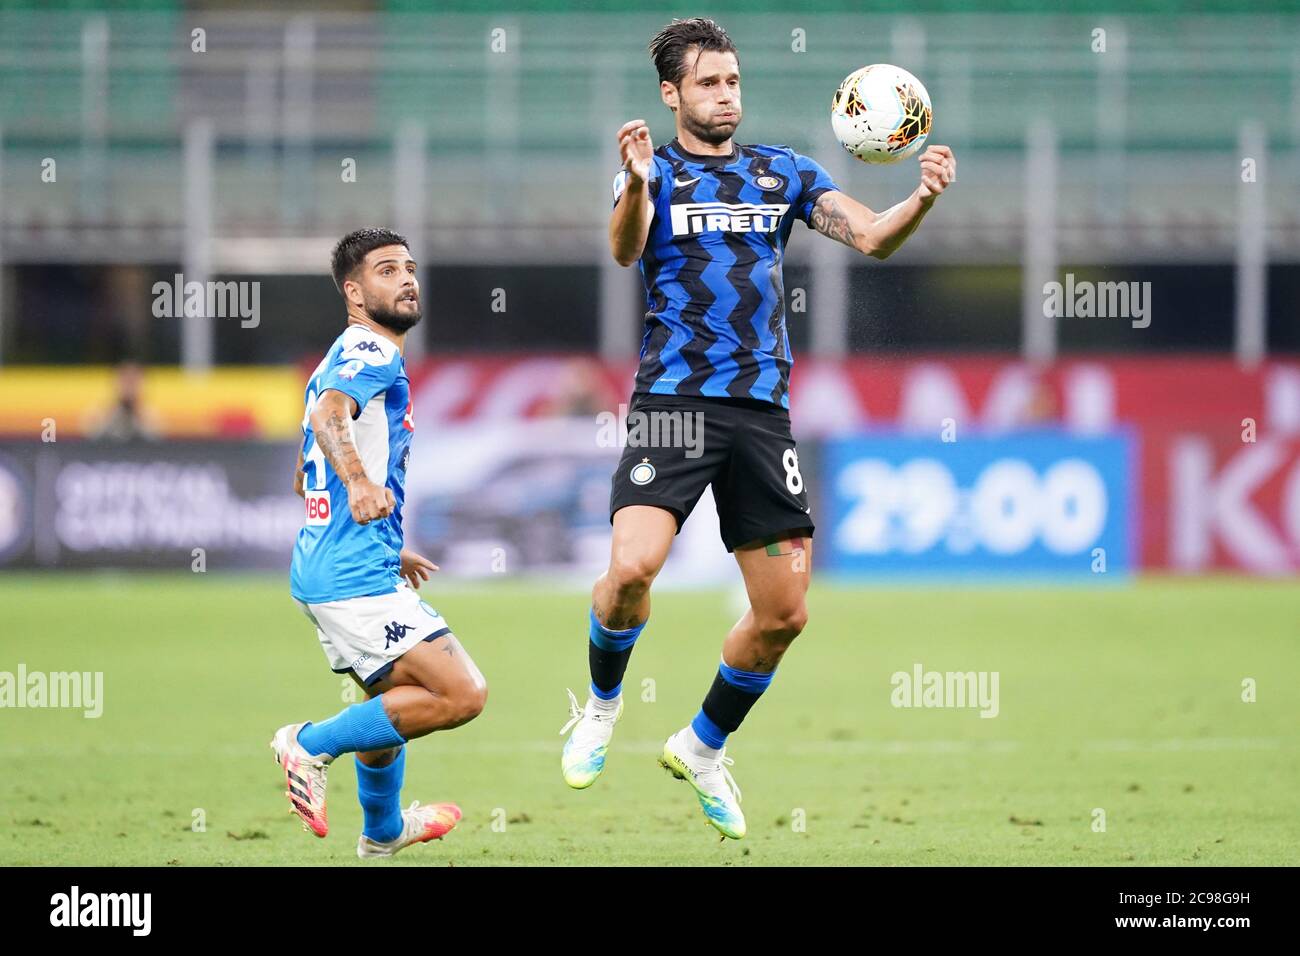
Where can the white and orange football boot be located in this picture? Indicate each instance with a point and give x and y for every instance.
(304, 777)
(420, 824)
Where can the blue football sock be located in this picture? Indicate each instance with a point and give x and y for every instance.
(362, 726)
(380, 791)
(608, 652)
(727, 703)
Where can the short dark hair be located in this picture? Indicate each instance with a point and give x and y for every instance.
(668, 48)
(355, 246)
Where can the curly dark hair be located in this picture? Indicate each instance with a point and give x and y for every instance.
(668, 48)
(355, 246)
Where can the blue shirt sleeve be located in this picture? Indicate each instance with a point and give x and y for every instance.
(815, 181)
(362, 371)
(620, 182)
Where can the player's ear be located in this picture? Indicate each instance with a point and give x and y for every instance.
(352, 292)
(668, 93)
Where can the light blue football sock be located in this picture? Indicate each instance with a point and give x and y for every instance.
(362, 726)
(380, 791)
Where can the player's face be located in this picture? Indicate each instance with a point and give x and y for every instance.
(708, 99)
(390, 292)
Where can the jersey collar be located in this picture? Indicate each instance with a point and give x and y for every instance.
(682, 153)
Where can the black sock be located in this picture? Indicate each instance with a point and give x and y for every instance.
(727, 703)
(607, 669)
(608, 652)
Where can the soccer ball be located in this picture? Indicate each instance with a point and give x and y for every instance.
(881, 114)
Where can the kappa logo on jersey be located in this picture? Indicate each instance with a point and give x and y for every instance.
(367, 346)
(394, 632)
(695, 217)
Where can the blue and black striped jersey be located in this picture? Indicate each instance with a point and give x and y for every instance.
(715, 319)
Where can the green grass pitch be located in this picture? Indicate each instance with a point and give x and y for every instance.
(1124, 699)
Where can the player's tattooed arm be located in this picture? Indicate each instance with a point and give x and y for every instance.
(875, 234)
(298, 478)
(879, 234)
(831, 219)
(331, 420)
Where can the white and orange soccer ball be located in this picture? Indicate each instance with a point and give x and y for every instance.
(881, 114)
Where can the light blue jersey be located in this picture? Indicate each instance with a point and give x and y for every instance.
(335, 558)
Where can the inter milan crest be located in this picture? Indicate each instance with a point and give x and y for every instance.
(643, 473)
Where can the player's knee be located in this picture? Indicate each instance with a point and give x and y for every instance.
(461, 704)
(470, 703)
(782, 623)
(632, 574)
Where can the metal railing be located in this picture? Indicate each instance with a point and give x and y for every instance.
(211, 138)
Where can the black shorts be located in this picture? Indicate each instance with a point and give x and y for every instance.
(677, 445)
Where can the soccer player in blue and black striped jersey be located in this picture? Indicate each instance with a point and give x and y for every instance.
(707, 220)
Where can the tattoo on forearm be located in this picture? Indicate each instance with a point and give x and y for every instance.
(832, 221)
(335, 440)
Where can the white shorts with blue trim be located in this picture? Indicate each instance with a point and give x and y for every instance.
(365, 635)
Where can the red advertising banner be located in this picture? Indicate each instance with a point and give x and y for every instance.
(1215, 502)
(1218, 446)
(912, 394)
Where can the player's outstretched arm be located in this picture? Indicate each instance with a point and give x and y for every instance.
(331, 420)
(298, 488)
(879, 234)
(629, 225)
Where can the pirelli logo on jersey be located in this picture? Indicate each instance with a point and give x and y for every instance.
(692, 218)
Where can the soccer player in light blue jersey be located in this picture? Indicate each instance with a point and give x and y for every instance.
(350, 574)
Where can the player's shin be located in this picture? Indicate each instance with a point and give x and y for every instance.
(379, 790)
(725, 707)
(607, 655)
(363, 726)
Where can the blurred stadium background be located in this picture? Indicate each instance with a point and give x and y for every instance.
(224, 142)
(145, 144)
